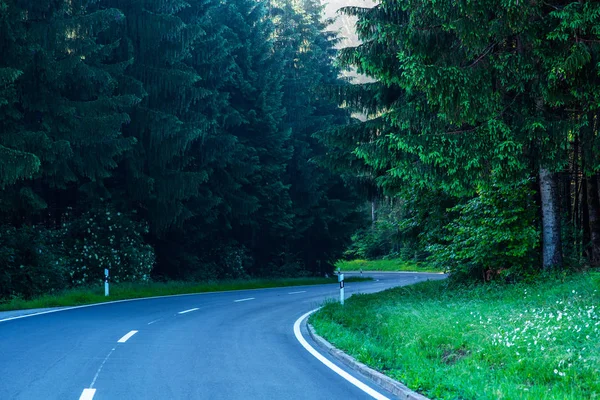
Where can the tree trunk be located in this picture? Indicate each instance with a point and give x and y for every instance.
(374, 210)
(576, 187)
(565, 195)
(594, 219)
(551, 245)
(585, 216)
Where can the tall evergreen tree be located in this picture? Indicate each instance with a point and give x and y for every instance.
(323, 205)
(472, 101)
(67, 112)
(155, 177)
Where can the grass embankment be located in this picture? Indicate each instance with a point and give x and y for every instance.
(384, 265)
(538, 341)
(90, 295)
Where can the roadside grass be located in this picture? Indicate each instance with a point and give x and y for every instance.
(122, 291)
(395, 264)
(523, 341)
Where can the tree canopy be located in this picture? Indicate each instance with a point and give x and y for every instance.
(166, 139)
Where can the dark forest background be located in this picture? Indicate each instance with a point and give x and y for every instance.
(166, 139)
(209, 139)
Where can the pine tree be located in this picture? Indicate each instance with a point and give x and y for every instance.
(261, 209)
(156, 177)
(68, 112)
(323, 205)
(474, 96)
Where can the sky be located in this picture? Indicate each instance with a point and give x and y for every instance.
(345, 24)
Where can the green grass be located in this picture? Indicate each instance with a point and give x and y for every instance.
(90, 295)
(536, 341)
(384, 265)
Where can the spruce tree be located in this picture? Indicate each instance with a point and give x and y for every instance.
(68, 112)
(323, 205)
(156, 177)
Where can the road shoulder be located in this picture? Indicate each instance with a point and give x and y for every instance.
(387, 383)
(29, 311)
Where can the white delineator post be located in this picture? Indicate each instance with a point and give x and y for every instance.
(341, 280)
(105, 281)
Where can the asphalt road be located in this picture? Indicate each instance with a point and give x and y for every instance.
(229, 345)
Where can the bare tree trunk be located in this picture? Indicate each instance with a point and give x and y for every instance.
(576, 186)
(565, 195)
(374, 210)
(552, 245)
(585, 216)
(594, 219)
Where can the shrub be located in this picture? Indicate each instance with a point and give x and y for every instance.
(32, 261)
(104, 238)
(495, 234)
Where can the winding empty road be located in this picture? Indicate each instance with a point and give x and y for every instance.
(228, 345)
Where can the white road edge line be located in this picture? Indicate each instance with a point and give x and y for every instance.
(301, 291)
(240, 300)
(371, 392)
(187, 311)
(104, 303)
(126, 337)
(87, 394)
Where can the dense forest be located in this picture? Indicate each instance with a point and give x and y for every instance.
(481, 147)
(166, 139)
(203, 139)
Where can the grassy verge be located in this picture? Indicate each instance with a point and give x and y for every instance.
(384, 265)
(123, 291)
(539, 341)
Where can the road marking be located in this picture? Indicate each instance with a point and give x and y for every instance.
(371, 392)
(104, 303)
(301, 291)
(126, 337)
(240, 300)
(87, 394)
(100, 369)
(187, 311)
(156, 320)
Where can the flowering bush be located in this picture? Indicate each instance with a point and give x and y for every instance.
(104, 238)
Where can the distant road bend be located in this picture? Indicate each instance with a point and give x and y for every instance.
(228, 345)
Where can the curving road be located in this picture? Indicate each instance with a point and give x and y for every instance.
(228, 345)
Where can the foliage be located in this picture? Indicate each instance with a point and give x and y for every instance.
(371, 243)
(39, 260)
(471, 96)
(33, 262)
(404, 225)
(193, 119)
(494, 235)
(387, 264)
(105, 239)
(525, 341)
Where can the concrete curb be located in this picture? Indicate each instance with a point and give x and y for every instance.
(387, 383)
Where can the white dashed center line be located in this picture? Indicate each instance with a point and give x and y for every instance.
(187, 311)
(240, 300)
(87, 394)
(126, 337)
(301, 291)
